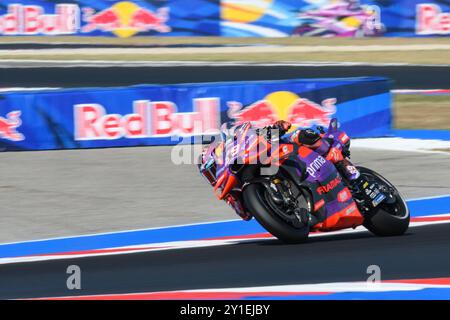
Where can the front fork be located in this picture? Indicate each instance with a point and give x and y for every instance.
(348, 170)
(234, 201)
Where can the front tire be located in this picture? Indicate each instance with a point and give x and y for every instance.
(386, 220)
(254, 199)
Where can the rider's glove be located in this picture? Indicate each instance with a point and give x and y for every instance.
(335, 155)
(307, 137)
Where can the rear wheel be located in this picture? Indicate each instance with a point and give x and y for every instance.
(286, 225)
(386, 219)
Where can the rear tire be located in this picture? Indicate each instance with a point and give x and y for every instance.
(384, 221)
(255, 202)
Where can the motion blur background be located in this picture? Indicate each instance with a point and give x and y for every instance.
(95, 94)
(139, 55)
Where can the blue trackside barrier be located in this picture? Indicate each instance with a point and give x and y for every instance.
(165, 115)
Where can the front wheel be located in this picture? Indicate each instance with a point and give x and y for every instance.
(386, 219)
(273, 219)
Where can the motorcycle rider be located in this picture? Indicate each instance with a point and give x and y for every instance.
(334, 153)
(313, 140)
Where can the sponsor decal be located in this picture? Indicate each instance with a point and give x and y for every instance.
(315, 166)
(329, 186)
(125, 19)
(344, 195)
(354, 172)
(378, 199)
(149, 119)
(161, 118)
(431, 20)
(32, 19)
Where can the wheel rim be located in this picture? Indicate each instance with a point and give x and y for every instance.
(284, 213)
(398, 208)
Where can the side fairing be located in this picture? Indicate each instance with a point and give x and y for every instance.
(332, 199)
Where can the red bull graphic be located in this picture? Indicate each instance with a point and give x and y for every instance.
(187, 113)
(145, 20)
(110, 18)
(227, 18)
(126, 19)
(9, 125)
(105, 20)
(150, 119)
(431, 20)
(305, 113)
(259, 114)
(32, 20)
(284, 105)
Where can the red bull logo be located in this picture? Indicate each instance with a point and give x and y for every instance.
(126, 19)
(284, 105)
(431, 20)
(32, 19)
(149, 119)
(8, 126)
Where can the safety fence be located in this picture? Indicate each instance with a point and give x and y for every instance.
(167, 115)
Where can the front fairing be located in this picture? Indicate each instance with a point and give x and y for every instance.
(236, 144)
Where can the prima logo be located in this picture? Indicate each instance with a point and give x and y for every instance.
(315, 166)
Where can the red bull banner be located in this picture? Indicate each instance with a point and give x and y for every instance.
(230, 18)
(335, 18)
(166, 115)
(110, 18)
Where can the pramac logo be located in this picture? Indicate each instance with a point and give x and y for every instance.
(284, 105)
(125, 19)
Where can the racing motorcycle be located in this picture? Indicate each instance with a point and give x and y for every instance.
(292, 190)
(340, 20)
